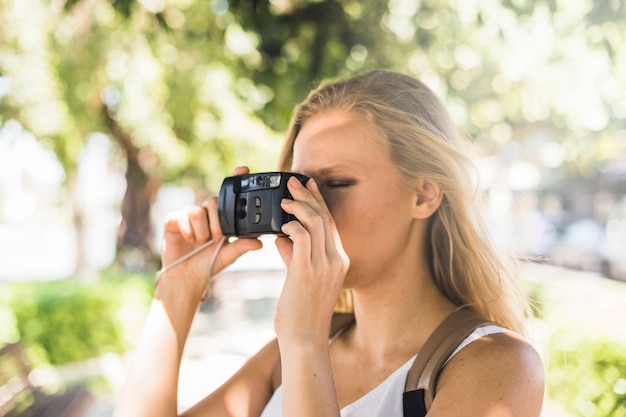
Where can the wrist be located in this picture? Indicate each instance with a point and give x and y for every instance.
(302, 356)
(302, 329)
(176, 285)
(303, 344)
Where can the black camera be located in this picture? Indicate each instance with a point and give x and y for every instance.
(249, 204)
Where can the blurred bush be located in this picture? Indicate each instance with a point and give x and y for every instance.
(588, 376)
(68, 321)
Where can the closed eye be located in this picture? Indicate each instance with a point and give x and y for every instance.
(339, 183)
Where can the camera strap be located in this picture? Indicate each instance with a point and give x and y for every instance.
(183, 258)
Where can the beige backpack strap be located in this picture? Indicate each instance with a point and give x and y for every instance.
(438, 348)
(339, 323)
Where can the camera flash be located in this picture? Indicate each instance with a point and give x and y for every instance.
(274, 180)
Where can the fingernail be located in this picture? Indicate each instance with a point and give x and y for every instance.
(295, 182)
(312, 185)
(285, 201)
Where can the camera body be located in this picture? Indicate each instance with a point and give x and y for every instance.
(249, 204)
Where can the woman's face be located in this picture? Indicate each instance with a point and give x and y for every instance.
(370, 203)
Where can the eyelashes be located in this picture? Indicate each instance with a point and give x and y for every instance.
(338, 183)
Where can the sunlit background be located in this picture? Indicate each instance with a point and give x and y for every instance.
(115, 112)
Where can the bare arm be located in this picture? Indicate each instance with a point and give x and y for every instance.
(308, 381)
(499, 375)
(151, 386)
(246, 393)
(243, 395)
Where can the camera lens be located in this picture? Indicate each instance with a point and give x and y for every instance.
(242, 206)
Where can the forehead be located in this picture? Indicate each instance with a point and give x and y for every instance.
(336, 137)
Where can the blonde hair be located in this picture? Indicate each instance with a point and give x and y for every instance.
(423, 143)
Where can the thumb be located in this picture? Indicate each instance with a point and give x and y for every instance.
(231, 251)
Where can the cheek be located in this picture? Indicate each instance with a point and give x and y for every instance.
(356, 222)
(367, 227)
(339, 212)
(334, 201)
(338, 208)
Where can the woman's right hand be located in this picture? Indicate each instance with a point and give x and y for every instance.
(186, 230)
(316, 266)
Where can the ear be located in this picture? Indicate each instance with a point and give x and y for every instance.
(428, 198)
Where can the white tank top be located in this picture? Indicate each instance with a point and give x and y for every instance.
(386, 399)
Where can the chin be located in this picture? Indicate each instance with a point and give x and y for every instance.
(355, 278)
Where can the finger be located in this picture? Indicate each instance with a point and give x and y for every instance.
(329, 225)
(309, 194)
(312, 187)
(199, 222)
(300, 238)
(211, 205)
(231, 251)
(285, 249)
(314, 216)
(177, 222)
(242, 170)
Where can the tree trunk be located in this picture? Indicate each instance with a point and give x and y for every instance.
(134, 240)
(85, 272)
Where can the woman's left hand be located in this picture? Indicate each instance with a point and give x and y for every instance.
(316, 267)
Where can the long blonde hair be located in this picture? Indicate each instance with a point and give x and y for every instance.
(423, 143)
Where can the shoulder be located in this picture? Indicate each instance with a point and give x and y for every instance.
(497, 372)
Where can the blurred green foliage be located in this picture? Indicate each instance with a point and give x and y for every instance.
(67, 321)
(535, 294)
(587, 375)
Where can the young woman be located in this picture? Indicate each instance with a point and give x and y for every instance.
(388, 215)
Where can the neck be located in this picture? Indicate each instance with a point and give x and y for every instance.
(396, 316)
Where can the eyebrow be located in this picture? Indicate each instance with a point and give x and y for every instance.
(327, 170)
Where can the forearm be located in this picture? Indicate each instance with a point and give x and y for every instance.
(307, 381)
(151, 387)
